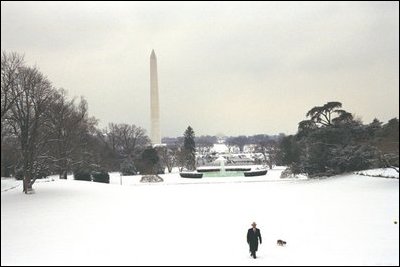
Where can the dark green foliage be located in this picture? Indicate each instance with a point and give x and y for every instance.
(9, 155)
(42, 174)
(323, 115)
(353, 158)
(19, 174)
(82, 175)
(127, 167)
(191, 175)
(160, 169)
(101, 177)
(39, 173)
(189, 149)
(327, 145)
(289, 151)
(148, 162)
(335, 149)
(387, 141)
(188, 141)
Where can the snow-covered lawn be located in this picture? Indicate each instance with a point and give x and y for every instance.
(9, 183)
(342, 220)
(174, 178)
(382, 172)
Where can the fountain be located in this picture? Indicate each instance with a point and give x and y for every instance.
(222, 170)
(230, 171)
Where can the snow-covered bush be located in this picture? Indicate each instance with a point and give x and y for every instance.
(151, 179)
(127, 167)
(287, 173)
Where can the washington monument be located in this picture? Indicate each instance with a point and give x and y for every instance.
(154, 104)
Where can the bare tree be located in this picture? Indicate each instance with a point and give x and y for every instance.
(204, 143)
(168, 156)
(269, 149)
(239, 141)
(126, 141)
(26, 119)
(181, 159)
(10, 66)
(68, 122)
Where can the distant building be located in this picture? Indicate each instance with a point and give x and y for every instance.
(220, 148)
(241, 160)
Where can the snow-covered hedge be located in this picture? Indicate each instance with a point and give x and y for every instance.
(151, 179)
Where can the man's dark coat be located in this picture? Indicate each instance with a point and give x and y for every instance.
(252, 239)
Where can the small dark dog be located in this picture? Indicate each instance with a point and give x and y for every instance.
(281, 243)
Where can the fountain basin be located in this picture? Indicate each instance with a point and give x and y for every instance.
(191, 175)
(226, 169)
(255, 173)
(217, 174)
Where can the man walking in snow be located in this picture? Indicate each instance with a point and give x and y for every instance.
(253, 234)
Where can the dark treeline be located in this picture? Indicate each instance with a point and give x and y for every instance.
(239, 141)
(331, 141)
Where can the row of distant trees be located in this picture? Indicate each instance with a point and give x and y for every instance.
(267, 145)
(207, 141)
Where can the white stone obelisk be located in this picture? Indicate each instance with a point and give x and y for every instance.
(154, 104)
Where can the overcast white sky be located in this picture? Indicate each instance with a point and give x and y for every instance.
(223, 67)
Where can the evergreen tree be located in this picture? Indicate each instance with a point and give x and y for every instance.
(127, 167)
(331, 142)
(289, 151)
(189, 149)
(149, 161)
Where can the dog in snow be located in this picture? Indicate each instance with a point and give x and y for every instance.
(281, 243)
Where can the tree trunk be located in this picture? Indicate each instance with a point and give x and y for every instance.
(270, 164)
(24, 186)
(63, 174)
(27, 185)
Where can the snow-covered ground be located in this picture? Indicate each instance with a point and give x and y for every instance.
(9, 183)
(343, 220)
(382, 172)
(174, 178)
